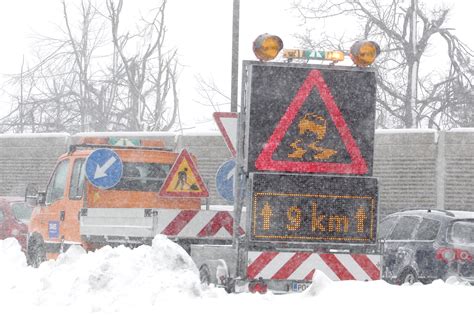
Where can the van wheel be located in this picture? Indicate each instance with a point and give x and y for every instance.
(205, 275)
(36, 251)
(407, 276)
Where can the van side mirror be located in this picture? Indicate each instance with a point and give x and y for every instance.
(41, 198)
(33, 197)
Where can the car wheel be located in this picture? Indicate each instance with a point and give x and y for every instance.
(407, 276)
(36, 251)
(205, 275)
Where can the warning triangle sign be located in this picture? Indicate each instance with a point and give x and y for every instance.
(227, 123)
(318, 163)
(183, 179)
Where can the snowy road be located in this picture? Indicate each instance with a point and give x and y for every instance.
(161, 280)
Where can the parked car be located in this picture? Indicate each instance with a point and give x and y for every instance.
(424, 245)
(14, 217)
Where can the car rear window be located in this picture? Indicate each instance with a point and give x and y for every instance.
(404, 228)
(386, 226)
(462, 232)
(428, 229)
(146, 177)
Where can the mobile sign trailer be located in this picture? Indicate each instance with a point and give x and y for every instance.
(304, 167)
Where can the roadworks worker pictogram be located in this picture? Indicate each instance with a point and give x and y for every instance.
(311, 130)
(184, 180)
(182, 183)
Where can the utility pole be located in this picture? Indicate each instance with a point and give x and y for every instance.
(414, 73)
(238, 177)
(235, 56)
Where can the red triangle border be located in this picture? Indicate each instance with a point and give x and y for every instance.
(174, 169)
(265, 162)
(218, 119)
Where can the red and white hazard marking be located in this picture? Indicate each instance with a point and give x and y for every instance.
(302, 265)
(173, 223)
(196, 223)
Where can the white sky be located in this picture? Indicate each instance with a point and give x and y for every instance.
(200, 29)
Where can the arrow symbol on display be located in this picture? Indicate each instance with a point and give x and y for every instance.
(101, 170)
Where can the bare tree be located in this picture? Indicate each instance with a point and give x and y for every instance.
(150, 75)
(61, 85)
(443, 99)
(210, 94)
(80, 82)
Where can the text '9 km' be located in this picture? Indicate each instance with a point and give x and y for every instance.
(313, 217)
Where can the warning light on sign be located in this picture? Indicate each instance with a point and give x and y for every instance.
(266, 47)
(364, 53)
(334, 56)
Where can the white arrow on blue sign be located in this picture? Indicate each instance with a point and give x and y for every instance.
(104, 168)
(225, 180)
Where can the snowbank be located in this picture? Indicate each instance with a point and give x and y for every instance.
(161, 280)
(108, 280)
(11, 260)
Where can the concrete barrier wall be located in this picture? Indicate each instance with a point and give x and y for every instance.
(405, 165)
(458, 161)
(28, 158)
(415, 168)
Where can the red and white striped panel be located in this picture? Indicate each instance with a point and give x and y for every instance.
(196, 223)
(302, 265)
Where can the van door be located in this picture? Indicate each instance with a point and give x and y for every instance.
(50, 216)
(74, 204)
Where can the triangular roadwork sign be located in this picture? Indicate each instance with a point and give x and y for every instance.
(265, 159)
(183, 179)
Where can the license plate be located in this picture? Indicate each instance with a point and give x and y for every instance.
(299, 287)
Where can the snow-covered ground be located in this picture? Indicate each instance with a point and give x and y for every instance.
(161, 280)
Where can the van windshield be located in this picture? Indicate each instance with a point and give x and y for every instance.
(145, 177)
(462, 232)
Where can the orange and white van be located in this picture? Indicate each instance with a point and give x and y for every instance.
(56, 221)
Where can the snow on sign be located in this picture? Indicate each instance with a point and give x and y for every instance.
(227, 123)
(104, 168)
(309, 208)
(310, 119)
(184, 180)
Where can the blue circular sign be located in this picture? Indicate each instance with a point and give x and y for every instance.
(225, 180)
(104, 168)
